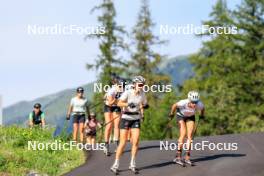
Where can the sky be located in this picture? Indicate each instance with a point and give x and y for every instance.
(32, 66)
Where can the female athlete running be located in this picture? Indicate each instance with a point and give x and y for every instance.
(78, 108)
(186, 110)
(133, 102)
(112, 113)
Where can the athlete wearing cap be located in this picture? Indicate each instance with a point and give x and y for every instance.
(78, 108)
(37, 117)
(186, 110)
(132, 101)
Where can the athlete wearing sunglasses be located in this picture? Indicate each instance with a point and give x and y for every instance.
(132, 101)
(186, 110)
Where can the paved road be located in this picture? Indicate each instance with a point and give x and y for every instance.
(151, 161)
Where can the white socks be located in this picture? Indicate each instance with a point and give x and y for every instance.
(133, 162)
(116, 163)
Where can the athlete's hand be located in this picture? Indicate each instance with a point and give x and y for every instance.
(142, 119)
(171, 116)
(201, 117)
(131, 105)
(146, 106)
(68, 117)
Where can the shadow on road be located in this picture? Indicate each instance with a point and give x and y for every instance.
(205, 158)
(212, 157)
(152, 166)
(157, 165)
(144, 148)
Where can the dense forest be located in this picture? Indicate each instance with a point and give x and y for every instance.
(228, 69)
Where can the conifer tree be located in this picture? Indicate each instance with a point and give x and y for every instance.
(111, 42)
(228, 70)
(145, 61)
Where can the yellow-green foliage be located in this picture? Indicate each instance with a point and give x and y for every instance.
(17, 159)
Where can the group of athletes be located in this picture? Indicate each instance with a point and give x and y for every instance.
(124, 113)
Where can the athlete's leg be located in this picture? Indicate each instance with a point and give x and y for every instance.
(122, 143)
(88, 140)
(93, 140)
(135, 132)
(182, 129)
(190, 127)
(116, 116)
(81, 130)
(75, 131)
(121, 146)
(108, 127)
(129, 135)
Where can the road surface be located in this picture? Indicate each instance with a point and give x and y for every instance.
(247, 160)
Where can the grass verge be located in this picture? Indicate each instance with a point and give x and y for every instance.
(17, 159)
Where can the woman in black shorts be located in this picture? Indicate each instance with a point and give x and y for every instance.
(78, 108)
(186, 110)
(133, 102)
(112, 113)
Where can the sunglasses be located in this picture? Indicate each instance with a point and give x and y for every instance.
(140, 85)
(194, 102)
(80, 91)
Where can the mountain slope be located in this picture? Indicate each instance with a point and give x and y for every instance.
(178, 68)
(55, 105)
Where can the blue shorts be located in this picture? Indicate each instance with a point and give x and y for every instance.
(78, 118)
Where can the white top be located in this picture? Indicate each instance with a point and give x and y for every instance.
(79, 105)
(129, 96)
(185, 110)
(112, 92)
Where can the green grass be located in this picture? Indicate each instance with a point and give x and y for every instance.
(17, 159)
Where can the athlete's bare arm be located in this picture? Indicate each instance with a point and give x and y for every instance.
(142, 110)
(173, 108)
(31, 123)
(43, 123)
(69, 111)
(202, 112)
(121, 103)
(111, 100)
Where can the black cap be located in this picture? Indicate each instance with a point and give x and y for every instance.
(37, 105)
(121, 81)
(80, 89)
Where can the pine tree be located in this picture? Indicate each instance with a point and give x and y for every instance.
(145, 62)
(228, 70)
(250, 43)
(109, 61)
(111, 42)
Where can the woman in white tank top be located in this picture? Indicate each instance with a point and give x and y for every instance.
(79, 109)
